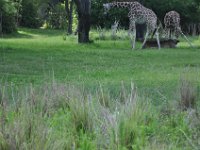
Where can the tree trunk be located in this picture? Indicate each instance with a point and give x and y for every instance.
(70, 17)
(83, 28)
(83, 8)
(194, 29)
(1, 23)
(67, 7)
(198, 29)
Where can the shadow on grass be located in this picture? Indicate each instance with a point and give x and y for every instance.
(16, 35)
(30, 33)
(42, 32)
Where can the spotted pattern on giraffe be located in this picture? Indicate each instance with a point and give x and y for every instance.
(138, 14)
(172, 24)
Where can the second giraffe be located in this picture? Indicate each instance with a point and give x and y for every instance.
(172, 25)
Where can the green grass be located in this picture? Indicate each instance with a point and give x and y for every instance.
(58, 94)
(34, 56)
(59, 116)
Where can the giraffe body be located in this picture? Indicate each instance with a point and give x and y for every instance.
(172, 24)
(138, 14)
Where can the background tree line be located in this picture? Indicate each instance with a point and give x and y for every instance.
(188, 9)
(63, 14)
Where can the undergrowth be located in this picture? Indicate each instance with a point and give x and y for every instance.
(61, 116)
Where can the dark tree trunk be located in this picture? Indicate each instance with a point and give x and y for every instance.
(83, 28)
(83, 8)
(70, 18)
(1, 23)
(67, 7)
(69, 12)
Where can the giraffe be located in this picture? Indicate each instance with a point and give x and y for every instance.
(172, 25)
(138, 14)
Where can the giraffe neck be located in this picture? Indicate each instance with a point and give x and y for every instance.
(121, 4)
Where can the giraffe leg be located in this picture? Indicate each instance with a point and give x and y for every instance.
(174, 34)
(169, 34)
(177, 32)
(132, 32)
(134, 38)
(145, 38)
(164, 34)
(158, 39)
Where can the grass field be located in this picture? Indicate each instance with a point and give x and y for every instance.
(36, 57)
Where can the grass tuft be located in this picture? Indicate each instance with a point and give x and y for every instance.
(188, 94)
(62, 116)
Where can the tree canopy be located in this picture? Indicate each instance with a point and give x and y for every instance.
(27, 13)
(188, 10)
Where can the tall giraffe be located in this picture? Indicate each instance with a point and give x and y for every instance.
(138, 14)
(172, 25)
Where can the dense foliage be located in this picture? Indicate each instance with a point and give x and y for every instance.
(7, 16)
(99, 18)
(56, 17)
(187, 9)
(29, 15)
(25, 13)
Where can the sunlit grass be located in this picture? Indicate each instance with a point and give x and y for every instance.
(34, 55)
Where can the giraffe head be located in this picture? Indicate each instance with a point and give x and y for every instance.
(107, 7)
